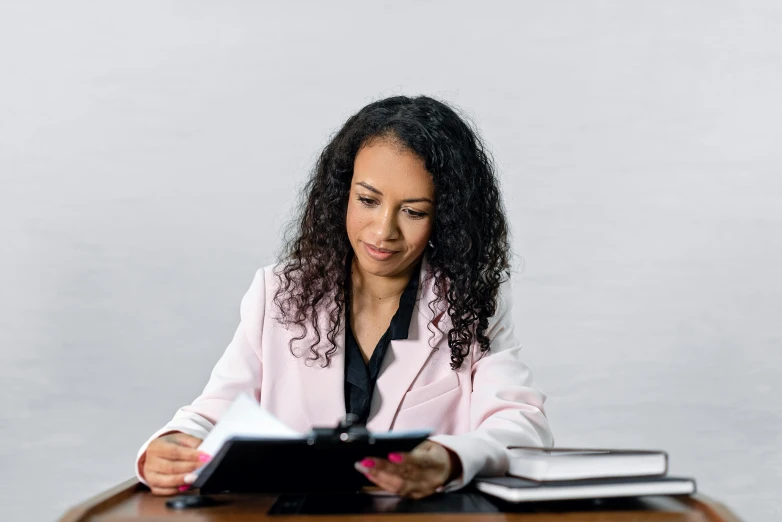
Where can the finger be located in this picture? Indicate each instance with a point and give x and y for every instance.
(422, 477)
(415, 495)
(186, 440)
(403, 469)
(387, 481)
(164, 491)
(171, 467)
(399, 478)
(409, 488)
(171, 451)
(161, 480)
(410, 469)
(396, 458)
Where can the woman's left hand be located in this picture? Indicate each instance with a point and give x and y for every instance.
(416, 474)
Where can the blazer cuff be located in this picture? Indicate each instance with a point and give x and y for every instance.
(479, 454)
(185, 422)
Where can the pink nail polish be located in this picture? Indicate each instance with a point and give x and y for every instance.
(368, 463)
(203, 457)
(395, 457)
(184, 488)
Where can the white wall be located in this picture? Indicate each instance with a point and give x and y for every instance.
(151, 150)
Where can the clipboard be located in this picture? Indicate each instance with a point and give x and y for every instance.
(319, 462)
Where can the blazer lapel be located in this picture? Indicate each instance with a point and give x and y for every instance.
(406, 357)
(323, 389)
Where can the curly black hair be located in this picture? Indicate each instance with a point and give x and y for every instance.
(471, 248)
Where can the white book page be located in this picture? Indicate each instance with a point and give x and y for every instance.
(246, 418)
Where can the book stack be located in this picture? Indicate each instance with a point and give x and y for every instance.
(538, 474)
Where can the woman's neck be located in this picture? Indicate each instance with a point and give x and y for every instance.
(378, 290)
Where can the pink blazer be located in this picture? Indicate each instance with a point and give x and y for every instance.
(477, 411)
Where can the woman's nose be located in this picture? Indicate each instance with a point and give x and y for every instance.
(386, 226)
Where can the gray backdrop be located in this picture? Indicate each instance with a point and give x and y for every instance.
(150, 151)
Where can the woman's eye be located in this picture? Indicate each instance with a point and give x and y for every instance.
(369, 202)
(415, 215)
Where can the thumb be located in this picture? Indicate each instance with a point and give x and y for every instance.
(183, 439)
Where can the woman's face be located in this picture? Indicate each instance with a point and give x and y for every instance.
(390, 208)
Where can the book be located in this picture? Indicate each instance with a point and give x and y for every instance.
(514, 489)
(245, 418)
(253, 451)
(545, 464)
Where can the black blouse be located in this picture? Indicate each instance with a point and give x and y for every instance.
(360, 377)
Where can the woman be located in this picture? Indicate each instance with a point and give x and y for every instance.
(392, 302)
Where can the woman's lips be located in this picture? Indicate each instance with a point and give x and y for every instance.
(378, 255)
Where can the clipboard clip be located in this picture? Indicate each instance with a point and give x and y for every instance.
(348, 430)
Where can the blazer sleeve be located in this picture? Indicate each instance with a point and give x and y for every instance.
(506, 408)
(238, 370)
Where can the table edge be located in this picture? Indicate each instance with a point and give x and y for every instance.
(715, 510)
(101, 501)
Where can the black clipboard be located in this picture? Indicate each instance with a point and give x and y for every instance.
(322, 461)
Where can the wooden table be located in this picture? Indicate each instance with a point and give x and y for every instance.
(131, 501)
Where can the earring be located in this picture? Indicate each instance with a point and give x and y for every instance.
(431, 245)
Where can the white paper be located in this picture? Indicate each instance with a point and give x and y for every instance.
(245, 418)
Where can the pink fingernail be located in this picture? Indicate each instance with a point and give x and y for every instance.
(184, 488)
(395, 457)
(361, 469)
(203, 457)
(368, 463)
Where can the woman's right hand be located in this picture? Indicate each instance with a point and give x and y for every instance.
(168, 459)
